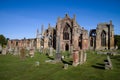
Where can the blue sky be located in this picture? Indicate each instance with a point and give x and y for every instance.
(21, 18)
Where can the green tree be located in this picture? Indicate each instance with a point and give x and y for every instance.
(117, 40)
(3, 40)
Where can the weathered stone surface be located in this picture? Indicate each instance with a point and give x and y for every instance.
(31, 53)
(71, 36)
(75, 57)
(102, 37)
(51, 52)
(81, 57)
(108, 63)
(0, 49)
(85, 57)
(4, 51)
(16, 51)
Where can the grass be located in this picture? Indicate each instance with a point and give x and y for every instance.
(13, 68)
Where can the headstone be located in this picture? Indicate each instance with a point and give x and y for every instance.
(116, 47)
(51, 52)
(4, 51)
(47, 61)
(0, 49)
(22, 53)
(108, 63)
(65, 66)
(31, 53)
(28, 48)
(16, 51)
(37, 63)
(75, 57)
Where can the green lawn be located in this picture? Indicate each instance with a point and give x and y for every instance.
(13, 68)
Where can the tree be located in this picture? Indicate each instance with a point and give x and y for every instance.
(117, 40)
(3, 40)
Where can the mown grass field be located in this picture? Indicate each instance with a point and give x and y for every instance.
(13, 68)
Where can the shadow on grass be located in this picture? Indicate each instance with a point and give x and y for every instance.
(50, 58)
(99, 66)
(116, 57)
(65, 62)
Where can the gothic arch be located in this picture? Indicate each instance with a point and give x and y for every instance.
(66, 32)
(103, 38)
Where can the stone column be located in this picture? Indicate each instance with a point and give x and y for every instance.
(58, 55)
(81, 57)
(71, 51)
(75, 57)
(85, 57)
(51, 51)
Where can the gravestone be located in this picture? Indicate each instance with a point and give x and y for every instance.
(65, 66)
(37, 63)
(47, 61)
(4, 51)
(0, 49)
(22, 53)
(16, 52)
(75, 57)
(31, 53)
(51, 52)
(108, 63)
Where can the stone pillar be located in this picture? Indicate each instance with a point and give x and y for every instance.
(81, 57)
(51, 51)
(75, 57)
(85, 57)
(58, 54)
(38, 43)
(71, 51)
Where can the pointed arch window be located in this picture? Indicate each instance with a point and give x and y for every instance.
(66, 33)
(103, 38)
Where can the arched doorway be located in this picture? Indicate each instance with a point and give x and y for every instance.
(66, 47)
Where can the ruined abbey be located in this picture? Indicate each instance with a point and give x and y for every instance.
(70, 35)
